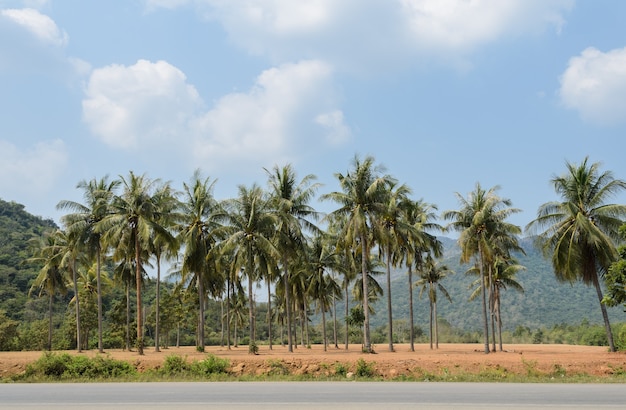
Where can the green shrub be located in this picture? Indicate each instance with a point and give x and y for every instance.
(174, 365)
(340, 369)
(64, 366)
(364, 369)
(210, 365)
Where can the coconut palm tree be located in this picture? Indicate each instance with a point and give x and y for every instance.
(82, 223)
(580, 232)
(48, 253)
(248, 238)
(480, 220)
(361, 201)
(134, 217)
(322, 287)
(200, 216)
(163, 246)
(430, 281)
(394, 233)
(421, 245)
(290, 200)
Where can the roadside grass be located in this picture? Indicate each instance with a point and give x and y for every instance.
(54, 367)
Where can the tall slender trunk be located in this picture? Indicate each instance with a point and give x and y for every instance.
(498, 316)
(77, 306)
(411, 320)
(228, 312)
(605, 316)
(287, 304)
(252, 341)
(157, 330)
(324, 327)
(50, 300)
(484, 291)
(367, 346)
(138, 289)
(127, 316)
(302, 324)
(436, 323)
(222, 321)
(430, 316)
(269, 312)
(99, 296)
(347, 315)
(335, 321)
(200, 312)
(492, 308)
(389, 314)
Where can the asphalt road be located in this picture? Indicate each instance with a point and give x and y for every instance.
(311, 395)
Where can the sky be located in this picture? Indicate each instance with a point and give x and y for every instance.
(443, 93)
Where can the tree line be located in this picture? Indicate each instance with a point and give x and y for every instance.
(220, 249)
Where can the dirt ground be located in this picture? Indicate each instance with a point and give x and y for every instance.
(448, 359)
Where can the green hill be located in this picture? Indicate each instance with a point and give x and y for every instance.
(544, 303)
(17, 227)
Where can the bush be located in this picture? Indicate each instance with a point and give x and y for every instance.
(64, 366)
(364, 369)
(210, 365)
(174, 365)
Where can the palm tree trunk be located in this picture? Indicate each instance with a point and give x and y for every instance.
(138, 290)
(498, 318)
(222, 321)
(492, 309)
(335, 321)
(77, 302)
(269, 315)
(347, 315)
(367, 346)
(484, 291)
(605, 316)
(251, 302)
(50, 299)
(287, 305)
(430, 318)
(324, 326)
(127, 317)
(436, 324)
(228, 312)
(157, 330)
(200, 313)
(389, 313)
(99, 295)
(411, 320)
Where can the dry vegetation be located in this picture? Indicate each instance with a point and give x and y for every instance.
(449, 360)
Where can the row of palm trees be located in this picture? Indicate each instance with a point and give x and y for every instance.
(275, 235)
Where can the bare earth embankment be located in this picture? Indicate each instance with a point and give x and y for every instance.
(448, 359)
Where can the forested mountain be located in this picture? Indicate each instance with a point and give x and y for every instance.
(17, 227)
(544, 303)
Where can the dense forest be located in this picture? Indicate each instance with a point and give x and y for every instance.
(183, 268)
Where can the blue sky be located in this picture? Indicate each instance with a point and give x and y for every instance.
(444, 93)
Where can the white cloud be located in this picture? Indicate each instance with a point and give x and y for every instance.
(40, 25)
(31, 173)
(290, 109)
(140, 105)
(337, 131)
(594, 84)
(366, 34)
(151, 106)
(32, 43)
(457, 25)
